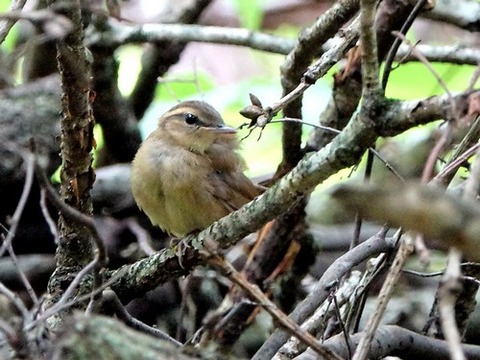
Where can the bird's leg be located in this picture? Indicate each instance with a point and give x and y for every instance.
(180, 244)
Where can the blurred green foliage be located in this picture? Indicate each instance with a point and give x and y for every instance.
(250, 13)
(413, 80)
(186, 86)
(9, 43)
(129, 60)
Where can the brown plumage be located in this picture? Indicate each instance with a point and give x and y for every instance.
(187, 173)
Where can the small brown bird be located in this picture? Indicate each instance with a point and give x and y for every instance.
(187, 173)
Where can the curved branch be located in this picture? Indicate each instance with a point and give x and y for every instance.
(463, 13)
(392, 340)
(425, 209)
(120, 34)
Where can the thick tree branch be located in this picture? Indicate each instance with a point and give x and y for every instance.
(98, 337)
(392, 340)
(74, 249)
(119, 34)
(295, 66)
(463, 13)
(425, 209)
(368, 39)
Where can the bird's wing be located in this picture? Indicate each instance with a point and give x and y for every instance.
(233, 189)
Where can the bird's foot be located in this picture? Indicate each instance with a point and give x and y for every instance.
(180, 245)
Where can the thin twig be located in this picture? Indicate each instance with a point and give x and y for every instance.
(470, 139)
(397, 42)
(295, 330)
(375, 245)
(110, 298)
(315, 323)
(405, 248)
(7, 330)
(336, 131)
(342, 43)
(374, 268)
(387, 164)
(73, 214)
(46, 214)
(142, 236)
(316, 126)
(29, 162)
(76, 281)
(432, 70)
(15, 219)
(439, 147)
(16, 301)
(342, 325)
(23, 277)
(448, 294)
(439, 273)
(455, 164)
(55, 309)
(473, 182)
(370, 85)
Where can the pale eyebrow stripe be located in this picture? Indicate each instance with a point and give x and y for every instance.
(178, 111)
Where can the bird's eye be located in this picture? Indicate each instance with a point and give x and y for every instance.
(191, 119)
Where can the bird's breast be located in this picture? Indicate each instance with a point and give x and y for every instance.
(174, 189)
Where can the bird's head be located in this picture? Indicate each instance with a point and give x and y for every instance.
(195, 125)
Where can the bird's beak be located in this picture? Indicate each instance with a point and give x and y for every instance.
(223, 129)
